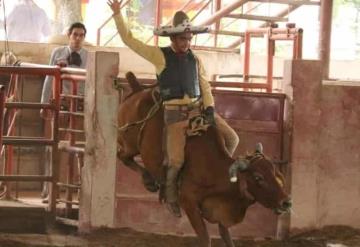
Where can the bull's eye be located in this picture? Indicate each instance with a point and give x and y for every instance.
(258, 178)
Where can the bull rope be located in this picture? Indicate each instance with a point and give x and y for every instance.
(153, 110)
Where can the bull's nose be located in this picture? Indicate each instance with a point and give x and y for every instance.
(286, 204)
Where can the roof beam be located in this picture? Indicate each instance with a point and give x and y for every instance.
(290, 2)
(223, 12)
(258, 17)
(231, 33)
(281, 14)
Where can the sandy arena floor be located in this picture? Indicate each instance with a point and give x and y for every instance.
(334, 236)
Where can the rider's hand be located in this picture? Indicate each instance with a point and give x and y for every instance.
(115, 6)
(209, 113)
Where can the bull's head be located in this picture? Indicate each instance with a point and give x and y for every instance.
(260, 180)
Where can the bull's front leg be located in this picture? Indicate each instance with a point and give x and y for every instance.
(148, 181)
(193, 213)
(225, 235)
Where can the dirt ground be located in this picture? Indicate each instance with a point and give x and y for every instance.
(333, 236)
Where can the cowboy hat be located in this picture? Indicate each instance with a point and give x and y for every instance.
(181, 24)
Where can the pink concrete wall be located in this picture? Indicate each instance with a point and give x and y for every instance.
(324, 128)
(339, 156)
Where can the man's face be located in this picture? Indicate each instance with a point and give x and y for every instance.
(76, 38)
(181, 42)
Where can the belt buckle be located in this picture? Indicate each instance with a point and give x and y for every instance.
(190, 107)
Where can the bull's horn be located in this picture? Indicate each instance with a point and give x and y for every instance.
(259, 148)
(238, 165)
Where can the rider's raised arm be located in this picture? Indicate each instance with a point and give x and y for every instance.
(205, 87)
(151, 53)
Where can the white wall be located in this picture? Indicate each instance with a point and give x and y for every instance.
(214, 62)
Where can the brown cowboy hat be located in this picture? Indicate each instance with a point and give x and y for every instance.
(181, 24)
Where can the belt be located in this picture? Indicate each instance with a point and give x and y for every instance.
(188, 107)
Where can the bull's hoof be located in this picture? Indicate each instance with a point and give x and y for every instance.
(149, 182)
(174, 209)
(152, 187)
(162, 197)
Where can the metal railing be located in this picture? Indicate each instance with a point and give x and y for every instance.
(72, 144)
(11, 108)
(272, 35)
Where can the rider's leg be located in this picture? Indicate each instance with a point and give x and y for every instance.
(229, 134)
(175, 144)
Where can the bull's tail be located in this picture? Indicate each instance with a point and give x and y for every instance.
(133, 82)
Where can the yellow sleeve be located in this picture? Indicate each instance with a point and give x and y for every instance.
(152, 54)
(205, 87)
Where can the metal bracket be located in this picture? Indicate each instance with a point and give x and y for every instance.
(117, 84)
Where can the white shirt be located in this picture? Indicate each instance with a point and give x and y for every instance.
(28, 22)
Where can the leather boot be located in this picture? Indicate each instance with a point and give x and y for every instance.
(171, 191)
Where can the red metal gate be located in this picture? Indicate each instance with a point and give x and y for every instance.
(256, 117)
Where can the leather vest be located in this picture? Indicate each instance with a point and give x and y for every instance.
(180, 75)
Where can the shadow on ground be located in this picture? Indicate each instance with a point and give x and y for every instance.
(331, 236)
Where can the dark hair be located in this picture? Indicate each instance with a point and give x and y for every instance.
(76, 25)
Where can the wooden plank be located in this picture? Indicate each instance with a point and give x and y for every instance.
(77, 114)
(67, 221)
(21, 141)
(28, 105)
(18, 217)
(25, 178)
(71, 130)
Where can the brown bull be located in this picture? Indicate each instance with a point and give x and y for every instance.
(213, 186)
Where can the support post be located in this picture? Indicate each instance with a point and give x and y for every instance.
(270, 62)
(302, 85)
(247, 57)
(325, 35)
(97, 197)
(158, 17)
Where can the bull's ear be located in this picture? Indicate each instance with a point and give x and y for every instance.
(239, 165)
(259, 148)
(243, 188)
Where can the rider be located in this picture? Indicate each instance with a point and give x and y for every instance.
(182, 82)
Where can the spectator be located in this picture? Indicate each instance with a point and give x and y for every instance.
(28, 22)
(71, 55)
